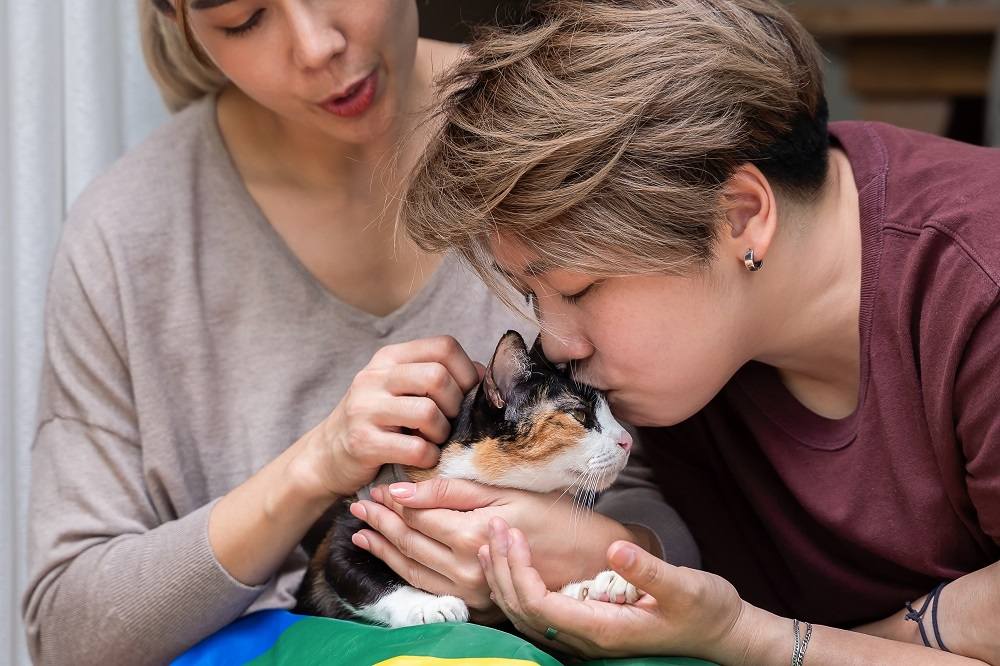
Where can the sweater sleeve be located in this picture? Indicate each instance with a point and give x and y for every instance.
(635, 499)
(112, 577)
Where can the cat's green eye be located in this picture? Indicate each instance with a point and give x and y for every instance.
(580, 415)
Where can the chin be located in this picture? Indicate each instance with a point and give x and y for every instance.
(640, 415)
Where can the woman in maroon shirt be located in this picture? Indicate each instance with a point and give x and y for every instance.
(802, 316)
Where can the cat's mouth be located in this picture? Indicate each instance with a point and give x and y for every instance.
(600, 472)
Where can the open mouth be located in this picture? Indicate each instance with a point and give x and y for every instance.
(355, 100)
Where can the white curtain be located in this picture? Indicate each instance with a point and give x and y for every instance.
(74, 94)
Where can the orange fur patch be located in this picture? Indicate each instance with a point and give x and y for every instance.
(418, 474)
(551, 433)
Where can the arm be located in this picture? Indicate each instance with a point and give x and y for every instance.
(115, 573)
(684, 611)
(111, 574)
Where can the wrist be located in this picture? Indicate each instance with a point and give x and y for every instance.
(758, 637)
(302, 481)
(596, 559)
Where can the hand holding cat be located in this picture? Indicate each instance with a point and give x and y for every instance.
(684, 611)
(431, 535)
(395, 411)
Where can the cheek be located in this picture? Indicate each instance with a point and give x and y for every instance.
(665, 357)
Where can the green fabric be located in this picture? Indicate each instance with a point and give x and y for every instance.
(315, 641)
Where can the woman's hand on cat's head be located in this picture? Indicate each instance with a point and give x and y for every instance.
(395, 411)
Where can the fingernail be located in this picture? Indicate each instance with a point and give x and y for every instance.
(624, 557)
(401, 490)
(358, 511)
(360, 540)
(376, 493)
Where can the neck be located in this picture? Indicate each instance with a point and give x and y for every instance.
(811, 335)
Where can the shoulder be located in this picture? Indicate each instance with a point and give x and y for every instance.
(940, 194)
(154, 182)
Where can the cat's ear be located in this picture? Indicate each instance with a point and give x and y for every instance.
(508, 366)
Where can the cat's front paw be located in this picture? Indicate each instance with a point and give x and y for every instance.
(408, 606)
(606, 586)
(438, 609)
(431, 610)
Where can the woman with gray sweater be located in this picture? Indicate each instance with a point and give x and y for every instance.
(236, 336)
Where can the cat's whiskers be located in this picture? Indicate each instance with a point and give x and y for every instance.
(589, 482)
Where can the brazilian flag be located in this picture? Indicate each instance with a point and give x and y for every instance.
(280, 638)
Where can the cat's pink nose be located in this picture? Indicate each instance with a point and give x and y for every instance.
(625, 440)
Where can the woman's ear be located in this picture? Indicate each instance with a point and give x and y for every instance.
(751, 211)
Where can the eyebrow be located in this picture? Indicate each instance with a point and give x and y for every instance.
(208, 4)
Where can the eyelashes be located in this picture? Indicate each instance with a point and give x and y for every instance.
(573, 299)
(246, 26)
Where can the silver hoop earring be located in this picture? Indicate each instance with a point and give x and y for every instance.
(748, 260)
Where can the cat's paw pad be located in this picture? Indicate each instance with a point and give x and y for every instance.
(606, 586)
(437, 609)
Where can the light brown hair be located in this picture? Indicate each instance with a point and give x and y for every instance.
(176, 61)
(601, 133)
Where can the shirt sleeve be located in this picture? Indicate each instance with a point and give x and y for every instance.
(977, 418)
(112, 578)
(635, 499)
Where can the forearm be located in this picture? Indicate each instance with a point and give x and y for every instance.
(966, 607)
(771, 641)
(135, 599)
(255, 526)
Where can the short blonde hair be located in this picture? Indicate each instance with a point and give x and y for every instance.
(180, 68)
(601, 133)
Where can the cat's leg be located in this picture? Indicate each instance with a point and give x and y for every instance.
(407, 606)
(606, 586)
(345, 581)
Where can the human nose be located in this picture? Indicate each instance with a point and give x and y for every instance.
(315, 37)
(562, 341)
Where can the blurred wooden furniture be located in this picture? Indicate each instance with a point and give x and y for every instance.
(906, 61)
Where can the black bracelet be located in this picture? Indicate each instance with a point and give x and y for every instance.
(918, 616)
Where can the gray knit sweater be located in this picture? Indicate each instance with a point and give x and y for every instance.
(186, 347)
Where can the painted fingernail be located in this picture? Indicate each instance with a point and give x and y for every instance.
(360, 540)
(401, 490)
(358, 511)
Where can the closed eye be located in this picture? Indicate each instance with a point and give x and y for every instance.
(580, 415)
(246, 26)
(575, 298)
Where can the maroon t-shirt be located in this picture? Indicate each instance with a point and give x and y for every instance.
(842, 521)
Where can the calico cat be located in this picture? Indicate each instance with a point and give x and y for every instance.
(527, 425)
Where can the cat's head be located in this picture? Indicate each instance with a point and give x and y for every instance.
(530, 426)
